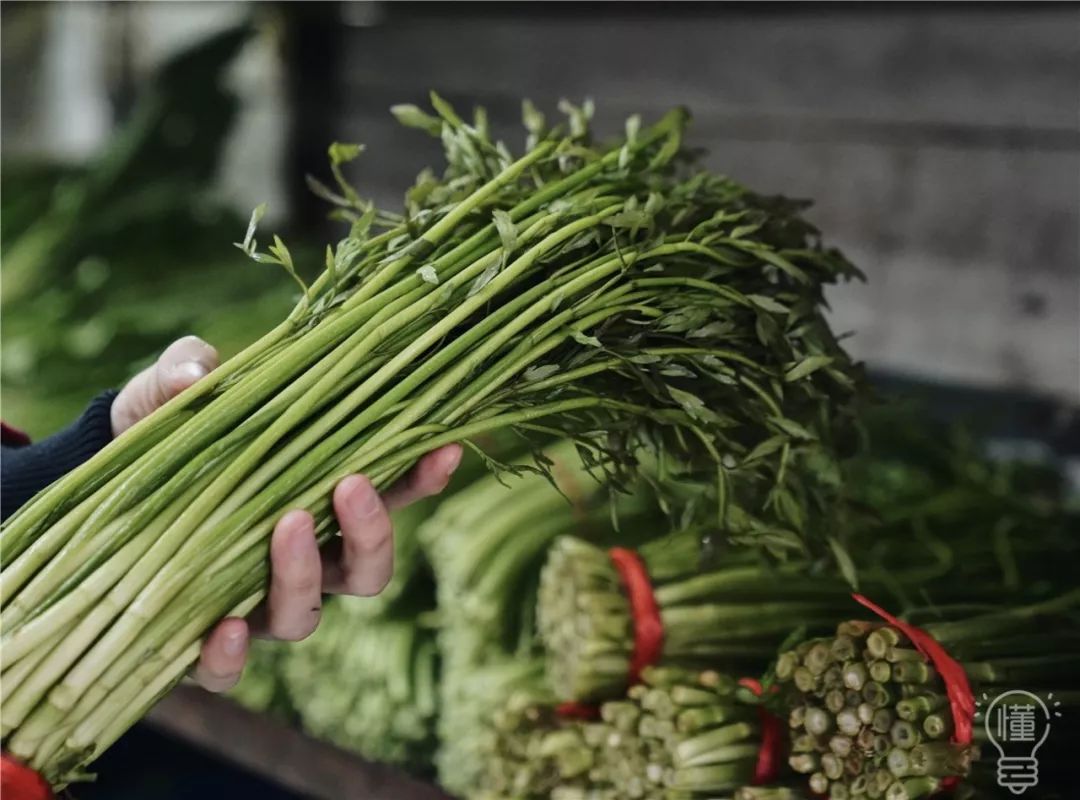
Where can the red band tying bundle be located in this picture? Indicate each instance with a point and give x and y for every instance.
(957, 688)
(20, 782)
(585, 712)
(771, 750)
(648, 626)
(12, 437)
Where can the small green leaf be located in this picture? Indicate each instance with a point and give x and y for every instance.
(677, 371)
(713, 330)
(532, 118)
(792, 428)
(331, 265)
(412, 117)
(742, 230)
(690, 403)
(633, 126)
(320, 189)
(344, 152)
(445, 110)
(540, 371)
(347, 251)
(765, 448)
(806, 367)
(789, 508)
(627, 219)
(281, 252)
(248, 245)
(585, 339)
(480, 121)
(483, 279)
(428, 275)
(766, 303)
(844, 561)
(669, 149)
(360, 228)
(507, 230)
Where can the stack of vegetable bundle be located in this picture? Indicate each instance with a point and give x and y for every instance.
(368, 685)
(875, 712)
(536, 753)
(470, 699)
(603, 294)
(679, 734)
(682, 734)
(485, 544)
(732, 618)
(944, 518)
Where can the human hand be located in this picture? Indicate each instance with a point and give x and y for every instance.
(359, 562)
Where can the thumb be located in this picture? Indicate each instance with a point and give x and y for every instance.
(183, 363)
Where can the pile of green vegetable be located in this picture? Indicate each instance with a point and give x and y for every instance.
(732, 617)
(485, 544)
(665, 326)
(869, 712)
(368, 685)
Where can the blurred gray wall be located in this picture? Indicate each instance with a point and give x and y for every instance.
(941, 143)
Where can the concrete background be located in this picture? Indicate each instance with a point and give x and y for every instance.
(940, 143)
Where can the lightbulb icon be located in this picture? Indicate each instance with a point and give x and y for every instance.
(1017, 723)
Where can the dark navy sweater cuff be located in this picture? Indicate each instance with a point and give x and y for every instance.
(26, 470)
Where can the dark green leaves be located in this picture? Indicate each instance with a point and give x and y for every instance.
(807, 366)
(507, 231)
(412, 117)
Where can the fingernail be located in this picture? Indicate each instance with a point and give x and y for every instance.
(233, 644)
(190, 371)
(364, 503)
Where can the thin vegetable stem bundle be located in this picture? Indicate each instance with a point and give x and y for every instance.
(732, 618)
(367, 685)
(680, 735)
(613, 296)
(870, 715)
(536, 753)
(470, 699)
(485, 544)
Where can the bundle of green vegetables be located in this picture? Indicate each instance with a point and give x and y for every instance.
(367, 685)
(680, 735)
(469, 701)
(485, 544)
(919, 504)
(938, 516)
(536, 753)
(874, 712)
(612, 295)
(733, 617)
